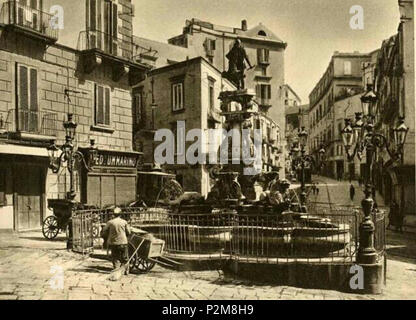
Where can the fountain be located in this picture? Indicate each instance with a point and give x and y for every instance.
(235, 220)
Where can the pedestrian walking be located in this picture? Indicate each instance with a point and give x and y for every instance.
(352, 192)
(115, 234)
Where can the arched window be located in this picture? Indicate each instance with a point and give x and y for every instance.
(262, 33)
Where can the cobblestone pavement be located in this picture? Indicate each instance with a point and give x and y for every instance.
(334, 191)
(26, 262)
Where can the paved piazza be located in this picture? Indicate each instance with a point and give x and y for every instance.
(26, 263)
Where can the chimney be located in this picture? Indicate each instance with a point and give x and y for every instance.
(244, 25)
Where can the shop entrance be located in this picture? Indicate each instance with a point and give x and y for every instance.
(28, 197)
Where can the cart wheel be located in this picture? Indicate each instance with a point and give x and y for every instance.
(144, 265)
(50, 227)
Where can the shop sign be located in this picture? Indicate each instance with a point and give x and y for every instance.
(115, 159)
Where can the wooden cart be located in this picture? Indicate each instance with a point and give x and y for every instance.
(145, 251)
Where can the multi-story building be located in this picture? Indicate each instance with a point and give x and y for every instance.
(186, 88)
(265, 51)
(394, 85)
(186, 91)
(291, 99)
(88, 73)
(294, 115)
(342, 79)
(336, 163)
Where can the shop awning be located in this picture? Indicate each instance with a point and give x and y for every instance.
(23, 150)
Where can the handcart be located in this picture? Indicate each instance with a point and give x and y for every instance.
(145, 251)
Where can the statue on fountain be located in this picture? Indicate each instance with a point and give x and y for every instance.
(237, 58)
(276, 193)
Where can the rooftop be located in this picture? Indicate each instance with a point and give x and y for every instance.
(260, 32)
(165, 53)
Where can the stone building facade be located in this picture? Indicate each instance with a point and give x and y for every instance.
(395, 89)
(342, 79)
(41, 81)
(265, 51)
(187, 91)
(169, 60)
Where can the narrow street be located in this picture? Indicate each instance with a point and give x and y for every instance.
(27, 263)
(337, 192)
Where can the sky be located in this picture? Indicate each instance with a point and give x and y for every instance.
(313, 29)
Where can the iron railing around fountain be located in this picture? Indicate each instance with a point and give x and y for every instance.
(379, 218)
(322, 238)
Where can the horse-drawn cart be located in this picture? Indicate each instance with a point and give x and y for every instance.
(59, 221)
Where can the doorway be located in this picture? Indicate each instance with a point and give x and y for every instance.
(28, 190)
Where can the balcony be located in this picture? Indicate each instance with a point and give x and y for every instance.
(28, 21)
(26, 125)
(98, 47)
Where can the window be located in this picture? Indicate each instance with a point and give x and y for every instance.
(347, 67)
(210, 44)
(262, 33)
(102, 105)
(177, 96)
(264, 91)
(27, 99)
(263, 56)
(103, 19)
(211, 95)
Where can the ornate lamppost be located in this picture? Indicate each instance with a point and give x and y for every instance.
(359, 137)
(302, 159)
(322, 158)
(69, 155)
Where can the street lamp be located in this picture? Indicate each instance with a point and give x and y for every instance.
(400, 135)
(68, 154)
(368, 101)
(301, 158)
(360, 137)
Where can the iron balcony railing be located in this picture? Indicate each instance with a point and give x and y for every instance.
(17, 14)
(106, 43)
(35, 122)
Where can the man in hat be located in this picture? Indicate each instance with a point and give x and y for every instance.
(116, 232)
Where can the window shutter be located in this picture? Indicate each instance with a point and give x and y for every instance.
(259, 55)
(258, 91)
(33, 90)
(93, 15)
(99, 103)
(269, 93)
(115, 20)
(23, 97)
(107, 107)
(266, 55)
(33, 115)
